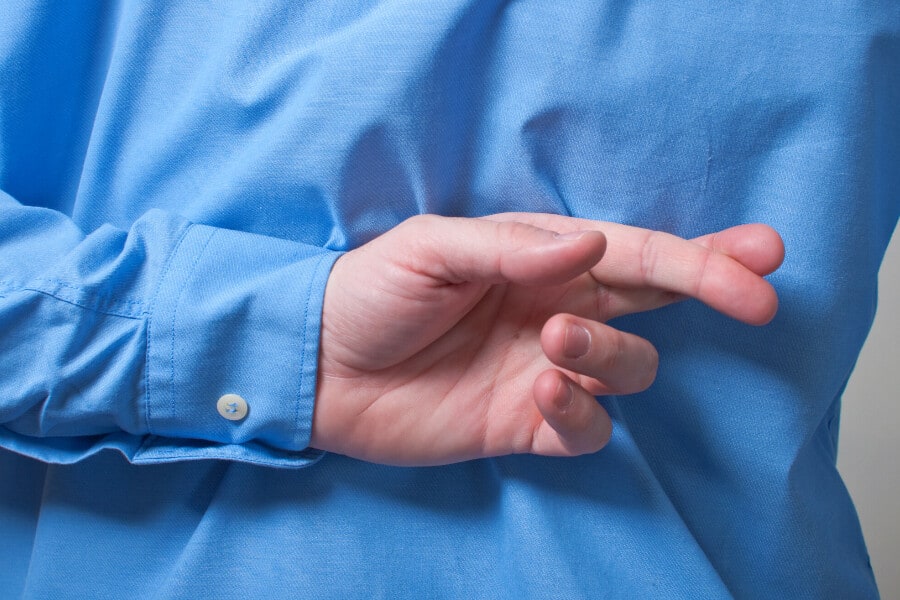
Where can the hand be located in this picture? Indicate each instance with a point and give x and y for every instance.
(448, 339)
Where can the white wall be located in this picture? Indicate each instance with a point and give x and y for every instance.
(869, 445)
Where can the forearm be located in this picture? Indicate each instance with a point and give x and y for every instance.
(128, 338)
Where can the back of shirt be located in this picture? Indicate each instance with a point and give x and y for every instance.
(143, 147)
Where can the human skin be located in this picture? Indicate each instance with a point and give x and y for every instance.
(448, 339)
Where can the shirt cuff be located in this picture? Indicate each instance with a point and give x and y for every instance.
(235, 313)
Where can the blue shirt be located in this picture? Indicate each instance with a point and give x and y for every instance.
(178, 178)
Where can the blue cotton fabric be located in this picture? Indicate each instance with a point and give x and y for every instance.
(178, 178)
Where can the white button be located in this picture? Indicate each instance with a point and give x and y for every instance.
(232, 407)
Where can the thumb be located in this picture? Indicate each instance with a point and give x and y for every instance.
(456, 250)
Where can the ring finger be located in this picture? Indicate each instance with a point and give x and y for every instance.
(620, 362)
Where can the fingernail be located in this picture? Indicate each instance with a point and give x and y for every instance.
(572, 235)
(564, 396)
(577, 342)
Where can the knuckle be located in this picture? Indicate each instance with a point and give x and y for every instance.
(610, 353)
(603, 302)
(650, 255)
(419, 222)
(420, 237)
(511, 239)
(511, 233)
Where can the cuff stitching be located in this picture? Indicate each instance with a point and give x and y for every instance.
(200, 254)
(149, 337)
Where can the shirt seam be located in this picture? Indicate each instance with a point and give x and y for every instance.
(146, 446)
(117, 308)
(83, 305)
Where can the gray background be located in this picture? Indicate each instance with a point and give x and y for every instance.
(869, 445)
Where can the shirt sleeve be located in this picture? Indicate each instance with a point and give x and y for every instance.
(126, 340)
